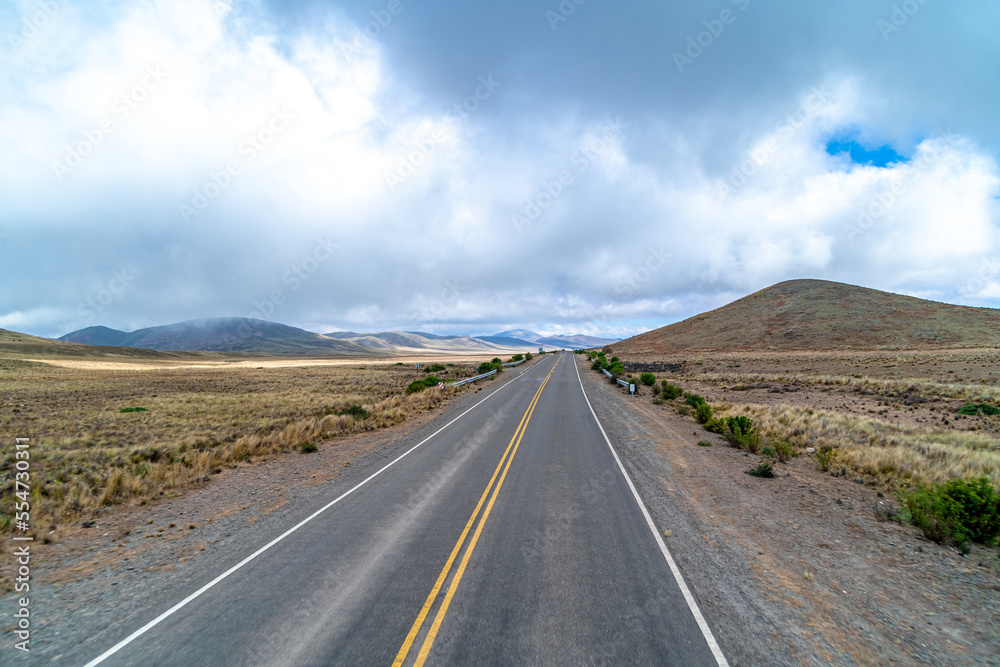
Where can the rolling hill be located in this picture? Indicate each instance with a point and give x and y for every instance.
(822, 315)
(14, 345)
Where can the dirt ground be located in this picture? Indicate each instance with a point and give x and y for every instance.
(798, 569)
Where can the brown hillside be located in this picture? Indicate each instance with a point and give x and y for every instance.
(823, 315)
(14, 345)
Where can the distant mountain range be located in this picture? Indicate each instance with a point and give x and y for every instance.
(240, 335)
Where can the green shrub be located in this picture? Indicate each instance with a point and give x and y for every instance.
(694, 400)
(435, 368)
(656, 390)
(496, 360)
(615, 360)
(356, 411)
(978, 409)
(703, 413)
(957, 512)
(516, 357)
(704, 443)
(783, 451)
(763, 470)
(767, 451)
(658, 401)
(716, 425)
(616, 368)
(647, 379)
(308, 447)
(420, 385)
(740, 432)
(133, 410)
(825, 457)
(670, 392)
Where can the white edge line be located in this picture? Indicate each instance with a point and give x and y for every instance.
(156, 621)
(692, 604)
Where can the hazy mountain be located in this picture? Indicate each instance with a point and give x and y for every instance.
(224, 334)
(823, 315)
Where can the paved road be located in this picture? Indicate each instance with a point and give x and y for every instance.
(511, 536)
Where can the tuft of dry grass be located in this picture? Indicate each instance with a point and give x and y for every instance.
(893, 455)
(86, 454)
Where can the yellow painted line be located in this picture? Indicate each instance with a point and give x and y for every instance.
(422, 616)
(439, 618)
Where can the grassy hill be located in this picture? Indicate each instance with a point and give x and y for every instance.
(823, 315)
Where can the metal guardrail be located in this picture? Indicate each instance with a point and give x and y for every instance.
(622, 382)
(605, 371)
(514, 363)
(472, 379)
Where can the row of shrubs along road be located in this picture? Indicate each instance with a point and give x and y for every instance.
(956, 512)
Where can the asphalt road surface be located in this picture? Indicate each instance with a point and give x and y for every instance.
(509, 535)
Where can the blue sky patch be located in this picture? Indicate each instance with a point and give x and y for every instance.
(878, 157)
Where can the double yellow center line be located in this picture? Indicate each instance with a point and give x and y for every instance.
(507, 457)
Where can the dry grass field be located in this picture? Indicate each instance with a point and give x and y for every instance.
(87, 454)
(889, 418)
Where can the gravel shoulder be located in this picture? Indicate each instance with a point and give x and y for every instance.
(797, 569)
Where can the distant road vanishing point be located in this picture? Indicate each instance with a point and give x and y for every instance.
(509, 534)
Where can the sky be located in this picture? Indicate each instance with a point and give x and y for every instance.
(581, 166)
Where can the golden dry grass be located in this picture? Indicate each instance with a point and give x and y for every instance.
(928, 389)
(86, 453)
(879, 451)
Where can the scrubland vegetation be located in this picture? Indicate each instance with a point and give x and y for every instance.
(103, 437)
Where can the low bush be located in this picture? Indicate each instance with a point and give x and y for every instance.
(957, 512)
(783, 451)
(516, 357)
(694, 400)
(658, 401)
(529, 356)
(670, 392)
(741, 432)
(975, 409)
(647, 379)
(435, 368)
(308, 447)
(763, 470)
(825, 457)
(420, 385)
(133, 410)
(355, 411)
(704, 443)
(703, 413)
